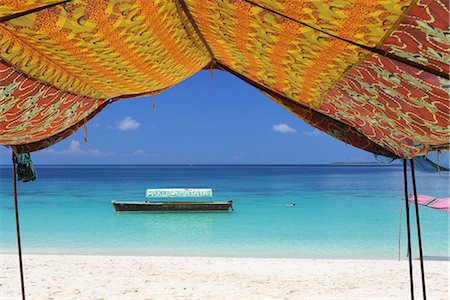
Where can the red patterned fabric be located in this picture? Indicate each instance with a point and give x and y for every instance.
(403, 109)
(42, 144)
(32, 111)
(423, 35)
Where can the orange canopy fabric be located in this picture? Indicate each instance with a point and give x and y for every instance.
(371, 73)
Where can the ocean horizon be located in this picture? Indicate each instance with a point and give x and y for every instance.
(338, 163)
(342, 210)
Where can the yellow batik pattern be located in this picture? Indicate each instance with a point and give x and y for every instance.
(10, 7)
(360, 21)
(293, 59)
(105, 48)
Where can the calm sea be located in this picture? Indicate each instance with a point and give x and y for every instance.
(340, 212)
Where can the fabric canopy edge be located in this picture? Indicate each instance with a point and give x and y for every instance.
(42, 144)
(56, 138)
(335, 128)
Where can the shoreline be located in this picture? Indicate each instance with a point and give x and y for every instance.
(127, 254)
(162, 277)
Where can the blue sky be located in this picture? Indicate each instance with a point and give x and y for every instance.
(200, 121)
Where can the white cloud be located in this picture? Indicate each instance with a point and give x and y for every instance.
(139, 152)
(128, 124)
(74, 146)
(283, 128)
(314, 132)
(75, 149)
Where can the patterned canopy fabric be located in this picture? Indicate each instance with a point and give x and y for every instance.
(372, 73)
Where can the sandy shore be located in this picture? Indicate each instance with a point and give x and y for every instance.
(126, 277)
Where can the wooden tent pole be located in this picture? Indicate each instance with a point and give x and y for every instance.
(419, 235)
(400, 229)
(16, 208)
(411, 278)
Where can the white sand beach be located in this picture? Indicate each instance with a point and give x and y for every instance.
(127, 277)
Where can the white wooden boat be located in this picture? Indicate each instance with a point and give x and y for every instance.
(165, 205)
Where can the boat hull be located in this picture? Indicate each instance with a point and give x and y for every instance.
(172, 206)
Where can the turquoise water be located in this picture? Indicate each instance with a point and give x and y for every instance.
(340, 212)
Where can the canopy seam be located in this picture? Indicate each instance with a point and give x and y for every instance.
(397, 23)
(197, 30)
(186, 24)
(27, 12)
